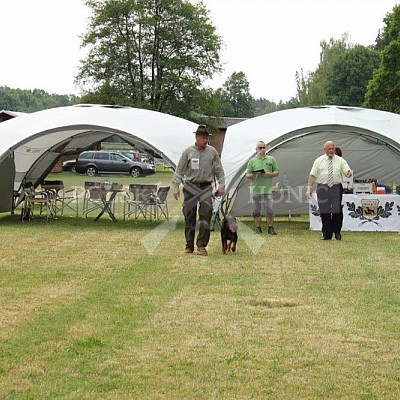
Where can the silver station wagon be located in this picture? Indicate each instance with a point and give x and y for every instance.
(111, 162)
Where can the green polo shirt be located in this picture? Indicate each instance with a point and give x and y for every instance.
(262, 184)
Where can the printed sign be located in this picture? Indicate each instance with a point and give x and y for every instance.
(194, 163)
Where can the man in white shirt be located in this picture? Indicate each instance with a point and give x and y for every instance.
(329, 171)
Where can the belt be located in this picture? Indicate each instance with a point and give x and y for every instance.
(200, 183)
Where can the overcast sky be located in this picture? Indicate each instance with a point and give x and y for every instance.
(268, 40)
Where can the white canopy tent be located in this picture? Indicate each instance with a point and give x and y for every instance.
(31, 144)
(369, 139)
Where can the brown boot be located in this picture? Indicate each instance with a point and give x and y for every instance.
(201, 250)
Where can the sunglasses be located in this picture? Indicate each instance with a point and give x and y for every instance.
(261, 147)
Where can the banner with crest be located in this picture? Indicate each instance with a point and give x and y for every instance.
(364, 212)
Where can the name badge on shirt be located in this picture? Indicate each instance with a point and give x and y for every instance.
(194, 163)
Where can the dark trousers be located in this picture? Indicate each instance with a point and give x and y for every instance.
(197, 197)
(330, 207)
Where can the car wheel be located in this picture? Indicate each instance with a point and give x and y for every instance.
(91, 171)
(136, 171)
(72, 168)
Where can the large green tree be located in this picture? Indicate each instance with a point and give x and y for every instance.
(263, 106)
(312, 88)
(349, 76)
(148, 53)
(384, 89)
(236, 96)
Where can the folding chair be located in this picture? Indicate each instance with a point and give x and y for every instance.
(66, 198)
(139, 201)
(93, 197)
(160, 202)
(32, 197)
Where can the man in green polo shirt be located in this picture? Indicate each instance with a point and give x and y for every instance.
(261, 169)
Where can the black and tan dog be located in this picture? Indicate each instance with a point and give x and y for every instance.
(229, 230)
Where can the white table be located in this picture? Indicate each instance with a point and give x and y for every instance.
(363, 212)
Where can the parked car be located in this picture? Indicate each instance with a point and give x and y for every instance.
(137, 156)
(103, 161)
(144, 157)
(69, 165)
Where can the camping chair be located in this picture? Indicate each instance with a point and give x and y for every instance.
(160, 202)
(93, 197)
(32, 197)
(66, 198)
(139, 201)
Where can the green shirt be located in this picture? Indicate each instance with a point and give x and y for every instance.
(262, 184)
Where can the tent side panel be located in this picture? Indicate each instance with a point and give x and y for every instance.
(292, 201)
(370, 158)
(7, 168)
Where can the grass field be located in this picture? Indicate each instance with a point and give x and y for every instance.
(103, 310)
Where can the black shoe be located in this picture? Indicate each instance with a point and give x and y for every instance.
(271, 230)
(325, 238)
(338, 236)
(258, 229)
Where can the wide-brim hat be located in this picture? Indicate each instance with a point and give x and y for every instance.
(202, 130)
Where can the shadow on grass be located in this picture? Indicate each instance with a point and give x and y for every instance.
(70, 223)
(300, 224)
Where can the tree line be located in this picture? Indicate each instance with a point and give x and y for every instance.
(156, 54)
(33, 100)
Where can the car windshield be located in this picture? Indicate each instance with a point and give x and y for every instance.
(129, 155)
(117, 157)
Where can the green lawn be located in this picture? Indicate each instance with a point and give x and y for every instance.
(103, 310)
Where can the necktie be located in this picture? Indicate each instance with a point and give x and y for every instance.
(330, 172)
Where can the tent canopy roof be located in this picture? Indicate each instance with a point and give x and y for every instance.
(34, 142)
(160, 131)
(279, 127)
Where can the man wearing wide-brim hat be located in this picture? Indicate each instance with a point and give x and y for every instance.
(198, 168)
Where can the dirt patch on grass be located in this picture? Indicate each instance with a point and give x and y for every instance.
(274, 303)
